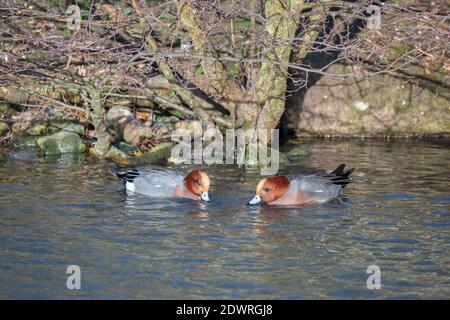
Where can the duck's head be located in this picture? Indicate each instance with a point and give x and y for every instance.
(270, 189)
(197, 182)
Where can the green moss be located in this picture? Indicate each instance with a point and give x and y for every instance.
(61, 142)
(176, 113)
(247, 125)
(199, 70)
(232, 69)
(48, 89)
(66, 32)
(4, 128)
(398, 49)
(127, 11)
(241, 23)
(167, 18)
(439, 73)
(38, 130)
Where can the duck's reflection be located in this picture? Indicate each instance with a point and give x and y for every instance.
(267, 210)
(143, 203)
(200, 214)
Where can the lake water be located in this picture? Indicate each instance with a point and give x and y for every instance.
(61, 211)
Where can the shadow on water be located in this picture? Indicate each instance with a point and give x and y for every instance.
(59, 211)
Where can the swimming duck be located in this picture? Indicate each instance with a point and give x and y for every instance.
(313, 186)
(166, 183)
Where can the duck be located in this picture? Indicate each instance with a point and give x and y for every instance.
(164, 183)
(307, 187)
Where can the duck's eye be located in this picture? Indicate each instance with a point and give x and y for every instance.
(198, 182)
(266, 189)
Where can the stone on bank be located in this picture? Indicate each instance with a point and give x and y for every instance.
(61, 142)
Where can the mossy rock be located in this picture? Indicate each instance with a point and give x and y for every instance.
(118, 156)
(23, 141)
(158, 154)
(4, 128)
(64, 125)
(127, 148)
(38, 130)
(61, 142)
(380, 105)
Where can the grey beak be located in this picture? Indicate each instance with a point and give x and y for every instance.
(204, 196)
(257, 199)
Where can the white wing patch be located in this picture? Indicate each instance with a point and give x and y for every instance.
(129, 186)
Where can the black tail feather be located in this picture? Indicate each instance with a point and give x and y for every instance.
(341, 177)
(127, 176)
(349, 172)
(339, 171)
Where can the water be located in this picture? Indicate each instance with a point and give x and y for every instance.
(60, 211)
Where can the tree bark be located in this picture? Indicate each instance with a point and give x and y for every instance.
(282, 17)
(103, 143)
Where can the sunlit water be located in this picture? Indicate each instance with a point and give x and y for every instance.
(60, 211)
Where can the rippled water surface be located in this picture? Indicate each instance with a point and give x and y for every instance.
(60, 211)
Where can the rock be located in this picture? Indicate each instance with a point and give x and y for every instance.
(69, 126)
(296, 152)
(116, 119)
(158, 154)
(4, 128)
(134, 132)
(38, 130)
(118, 156)
(49, 127)
(22, 141)
(381, 105)
(119, 114)
(25, 120)
(127, 148)
(61, 142)
(163, 129)
(123, 126)
(19, 127)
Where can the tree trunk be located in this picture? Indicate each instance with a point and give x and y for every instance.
(282, 18)
(103, 143)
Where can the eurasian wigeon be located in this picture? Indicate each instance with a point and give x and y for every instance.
(164, 183)
(313, 186)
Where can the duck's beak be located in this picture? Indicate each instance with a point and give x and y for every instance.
(257, 199)
(204, 196)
